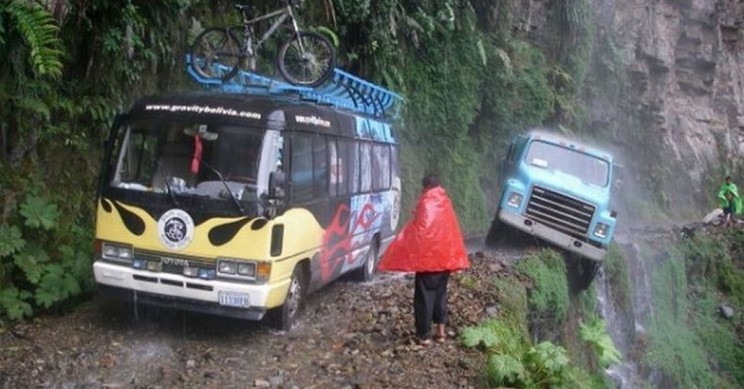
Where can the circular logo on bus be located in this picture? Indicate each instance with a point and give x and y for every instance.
(175, 229)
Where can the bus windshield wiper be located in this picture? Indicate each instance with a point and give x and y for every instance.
(227, 187)
(168, 185)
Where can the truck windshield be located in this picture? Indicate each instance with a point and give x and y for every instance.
(555, 157)
(188, 159)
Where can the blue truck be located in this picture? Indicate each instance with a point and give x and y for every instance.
(558, 190)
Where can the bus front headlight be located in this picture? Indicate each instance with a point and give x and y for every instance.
(116, 252)
(247, 269)
(226, 267)
(242, 269)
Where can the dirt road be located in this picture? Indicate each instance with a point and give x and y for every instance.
(350, 335)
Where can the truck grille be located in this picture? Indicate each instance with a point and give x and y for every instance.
(560, 212)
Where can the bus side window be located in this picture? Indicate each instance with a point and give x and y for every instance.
(301, 175)
(333, 168)
(354, 172)
(381, 166)
(366, 162)
(342, 166)
(320, 167)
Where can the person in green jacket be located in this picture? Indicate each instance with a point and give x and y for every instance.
(731, 203)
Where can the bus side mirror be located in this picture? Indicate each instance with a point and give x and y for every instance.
(276, 185)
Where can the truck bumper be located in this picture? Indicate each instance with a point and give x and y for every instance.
(192, 294)
(557, 238)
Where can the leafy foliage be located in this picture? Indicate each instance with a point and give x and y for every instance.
(478, 336)
(31, 278)
(513, 362)
(39, 213)
(616, 270)
(11, 240)
(66, 75)
(38, 29)
(688, 341)
(548, 364)
(673, 345)
(506, 369)
(549, 294)
(595, 333)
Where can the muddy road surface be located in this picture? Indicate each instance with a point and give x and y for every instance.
(350, 335)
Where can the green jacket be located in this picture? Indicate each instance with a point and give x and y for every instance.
(737, 199)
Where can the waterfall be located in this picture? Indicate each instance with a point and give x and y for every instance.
(626, 325)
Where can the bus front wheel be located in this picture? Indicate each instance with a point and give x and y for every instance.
(367, 271)
(284, 317)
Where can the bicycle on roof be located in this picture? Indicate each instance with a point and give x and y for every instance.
(305, 58)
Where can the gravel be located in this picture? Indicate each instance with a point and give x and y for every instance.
(350, 335)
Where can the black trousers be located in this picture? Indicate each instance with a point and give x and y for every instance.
(429, 301)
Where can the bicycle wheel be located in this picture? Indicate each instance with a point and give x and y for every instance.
(307, 58)
(216, 54)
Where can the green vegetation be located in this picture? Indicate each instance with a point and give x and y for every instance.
(40, 278)
(595, 333)
(688, 339)
(549, 292)
(512, 360)
(615, 268)
(470, 82)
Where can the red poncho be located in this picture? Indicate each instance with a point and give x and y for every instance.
(431, 242)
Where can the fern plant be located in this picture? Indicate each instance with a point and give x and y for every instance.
(38, 30)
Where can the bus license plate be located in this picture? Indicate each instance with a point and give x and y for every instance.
(233, 299)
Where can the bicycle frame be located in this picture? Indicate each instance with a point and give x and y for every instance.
(281, 15)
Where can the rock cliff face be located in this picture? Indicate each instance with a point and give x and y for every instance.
(678, 123)
(686, 84)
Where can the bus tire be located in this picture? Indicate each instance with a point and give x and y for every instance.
(367, 272)
(282, 318)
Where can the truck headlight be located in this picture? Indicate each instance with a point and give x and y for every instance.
(600, 230)
(515, 199)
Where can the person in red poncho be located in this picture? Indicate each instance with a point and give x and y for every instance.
(430, 245)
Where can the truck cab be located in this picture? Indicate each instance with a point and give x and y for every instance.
(558, 190)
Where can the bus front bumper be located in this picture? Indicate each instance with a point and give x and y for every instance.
(244, 301)
(555, 237)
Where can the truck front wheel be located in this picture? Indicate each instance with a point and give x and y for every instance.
(581, 271)
(496, 233)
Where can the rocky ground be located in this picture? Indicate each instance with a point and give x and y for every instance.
(350, 336)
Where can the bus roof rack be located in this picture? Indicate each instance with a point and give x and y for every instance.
(343, 90)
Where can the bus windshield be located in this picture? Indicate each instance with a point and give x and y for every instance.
(587, 168)
(211, 160)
